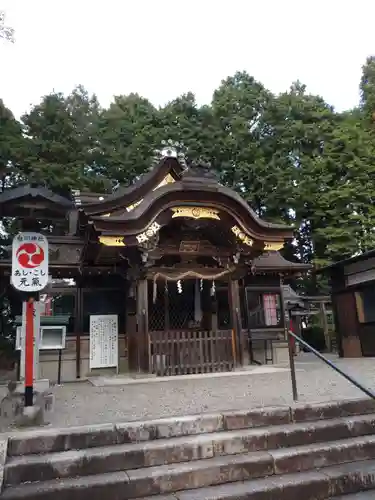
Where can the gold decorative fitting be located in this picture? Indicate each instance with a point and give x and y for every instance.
(135, 205)
(150, 231)
(273, 245)
(195, 213)
(243, 237)
(112, 241)
(168, 179)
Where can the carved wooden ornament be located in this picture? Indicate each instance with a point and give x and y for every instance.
(243, 237)
(195, 213)
(150, 231)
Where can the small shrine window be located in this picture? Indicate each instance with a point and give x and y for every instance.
(263, 309)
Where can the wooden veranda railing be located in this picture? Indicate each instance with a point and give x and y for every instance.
(185, 352)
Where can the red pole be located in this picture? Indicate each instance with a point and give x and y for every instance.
(29, 352)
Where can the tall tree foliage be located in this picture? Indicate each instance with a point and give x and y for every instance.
(300, 126)
(129, 136)
(238, 107)
(61, 141)
(11, 142)
(192, 128)
(367, 89)
(346, 204)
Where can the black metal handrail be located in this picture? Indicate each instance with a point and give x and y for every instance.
(349, 378)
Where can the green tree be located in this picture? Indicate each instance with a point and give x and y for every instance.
(299, 126)
(85, 111)
(367, 90)
(346, 205)
(130, 134)
(193, 128)
(238, 106)
(60, 144)
(11, 141)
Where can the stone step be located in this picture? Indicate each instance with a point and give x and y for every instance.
(363, 495)
(334, 483)
(77, 438)
(328, 482)
(288, 445)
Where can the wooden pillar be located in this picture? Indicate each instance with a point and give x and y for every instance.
(347, 322)
(78, 326)
(323, 314)
(336, 323)
(142, 326)
(284, 311)
(131, 326)
(240, 334)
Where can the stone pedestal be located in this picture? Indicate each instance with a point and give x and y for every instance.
(280, 352)
(13, 411)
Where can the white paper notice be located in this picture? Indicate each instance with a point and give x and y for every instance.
(103, 341)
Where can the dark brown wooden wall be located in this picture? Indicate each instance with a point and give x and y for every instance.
(347, 324)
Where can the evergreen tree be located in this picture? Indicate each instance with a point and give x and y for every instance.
(193, 128)
(299, 125)
(11, 142)
(367, 90)
(60, 142)
(130, 134)
(346, 204)
(238, 106)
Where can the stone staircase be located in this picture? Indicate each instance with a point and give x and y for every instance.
(311, 452)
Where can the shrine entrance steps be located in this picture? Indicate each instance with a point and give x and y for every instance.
(305, 452)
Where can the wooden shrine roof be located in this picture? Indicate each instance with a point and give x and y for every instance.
(362, 257)
(131, 211)
(104, 229)
(274, 260)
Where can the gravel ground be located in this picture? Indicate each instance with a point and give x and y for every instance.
(81, 403)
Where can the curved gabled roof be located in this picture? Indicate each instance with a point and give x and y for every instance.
(133, 209)
(186, 193)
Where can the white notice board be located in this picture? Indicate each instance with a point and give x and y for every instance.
(103, 341)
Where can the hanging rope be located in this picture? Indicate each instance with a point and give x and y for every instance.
(178, 275)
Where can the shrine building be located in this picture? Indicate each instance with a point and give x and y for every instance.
(172, 275)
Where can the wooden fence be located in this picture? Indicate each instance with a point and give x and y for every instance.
(178, 352)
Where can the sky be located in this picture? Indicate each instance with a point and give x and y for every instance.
(163, 48)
